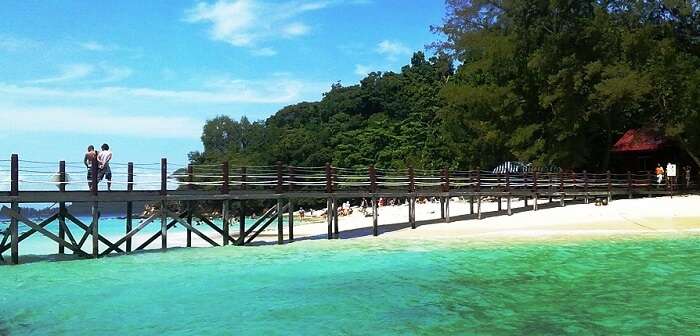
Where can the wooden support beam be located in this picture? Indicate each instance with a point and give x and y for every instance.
(241, 224)
(290, 222)
(155, 236)
(14, 214)
(329, 217)
(26, 234)
(549, 187)
(130, 234)
(88, 231)
(178, 218)
(447, 209)
(225, 222)
(336, 233)
(375, 215)
(263, 227)
(129, 205)
(213, 226)
(478, 190)
(95, 230)
(269, 213)
(280, 223)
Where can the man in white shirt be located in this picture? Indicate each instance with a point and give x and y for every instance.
(105, 171)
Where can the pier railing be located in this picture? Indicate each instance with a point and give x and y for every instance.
(26, 176)
(161, 184)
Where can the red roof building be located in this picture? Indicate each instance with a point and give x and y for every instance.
(640, 140)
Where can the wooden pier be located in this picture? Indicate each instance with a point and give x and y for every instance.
(233, 186)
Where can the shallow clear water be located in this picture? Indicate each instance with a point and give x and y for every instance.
(371, 286)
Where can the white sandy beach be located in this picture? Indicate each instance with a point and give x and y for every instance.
(623, 217)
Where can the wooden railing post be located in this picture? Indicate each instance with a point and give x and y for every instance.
(225, 187)
(650, 181)
(412, 198)
(329, 185)
(14, 224)
(241, 220)
(61, 206)
(190, 207)
(334, 187)
(609, 182)
(280, 179)
(290, 171)
(585, 186)
(535, 196)
(94, 171)
(561, 188)
(509, 197)
(290, 188)
(225, 211)
(550, 185)
(163, 204)
(375, 209)
(446, 189)
(329, 201)
(478, 190)
(629, 184)
(163, 176)
(500, 189)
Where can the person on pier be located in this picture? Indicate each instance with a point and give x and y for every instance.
(90, 155)
(105, 171)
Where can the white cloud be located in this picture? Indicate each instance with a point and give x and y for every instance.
(362, 70)
(68, 73)
(295, 29)
(14, 44)
(114, 74)
(75, 120)
(264, 52)
(250, 23)
(101, 73)
(392, 49)
(275, 90)
(95, 46)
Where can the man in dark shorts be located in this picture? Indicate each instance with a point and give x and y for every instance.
(90, 155)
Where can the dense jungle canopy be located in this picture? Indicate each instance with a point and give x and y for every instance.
(552, 82)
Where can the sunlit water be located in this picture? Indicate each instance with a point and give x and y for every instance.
(368, 286)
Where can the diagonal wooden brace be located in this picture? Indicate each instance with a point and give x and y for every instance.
(9, 212)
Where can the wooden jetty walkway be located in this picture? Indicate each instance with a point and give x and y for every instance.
(233, 186)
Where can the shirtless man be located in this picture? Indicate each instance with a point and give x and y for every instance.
(90, 155)
(103, 159)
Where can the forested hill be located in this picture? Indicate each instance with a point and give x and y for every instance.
(547, 82)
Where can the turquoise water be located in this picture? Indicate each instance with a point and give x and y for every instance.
(371, 286)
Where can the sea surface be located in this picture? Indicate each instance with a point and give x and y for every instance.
(366, 287)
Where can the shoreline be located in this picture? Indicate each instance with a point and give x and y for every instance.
(644, 218)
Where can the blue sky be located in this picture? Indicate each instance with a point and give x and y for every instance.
(144, 76)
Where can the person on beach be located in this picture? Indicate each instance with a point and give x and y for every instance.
(659, 173)
(105, 171)
(90, 155)
(302, 213)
